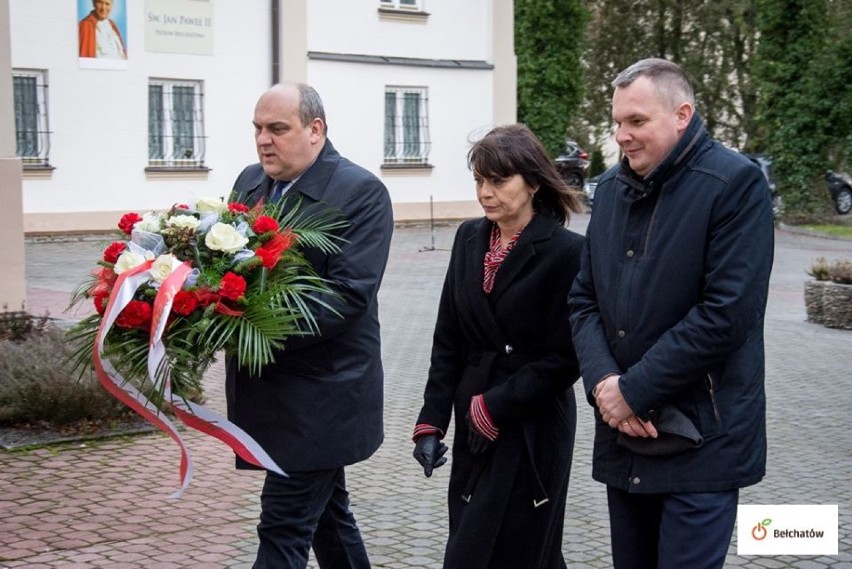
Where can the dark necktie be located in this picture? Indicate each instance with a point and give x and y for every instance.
(278, 190)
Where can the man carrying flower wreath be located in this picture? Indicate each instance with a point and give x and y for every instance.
(318, 406)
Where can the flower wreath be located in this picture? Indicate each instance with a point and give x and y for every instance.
(184, 285)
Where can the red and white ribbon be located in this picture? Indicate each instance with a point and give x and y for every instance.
(192, 415)
(121, 295)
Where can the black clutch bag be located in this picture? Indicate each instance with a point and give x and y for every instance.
(675, 434)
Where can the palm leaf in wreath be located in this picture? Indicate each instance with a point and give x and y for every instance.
(316, 225)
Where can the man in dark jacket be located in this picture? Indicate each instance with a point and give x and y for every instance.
(667, 317)
(318, 407)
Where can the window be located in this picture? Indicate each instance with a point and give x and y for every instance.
(401, 4)
(175, 124)
(32, 138)
(406, 125)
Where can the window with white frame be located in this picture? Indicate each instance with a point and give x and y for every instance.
(32, 137)
(175, 124)
(406, 125)
(402, 4)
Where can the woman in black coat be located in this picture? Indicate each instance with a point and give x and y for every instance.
(503, 362)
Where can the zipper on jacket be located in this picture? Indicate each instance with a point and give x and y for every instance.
(712, 390)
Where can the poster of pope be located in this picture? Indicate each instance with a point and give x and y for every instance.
(102, 29)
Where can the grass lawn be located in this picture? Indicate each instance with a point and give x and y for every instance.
(836, 230)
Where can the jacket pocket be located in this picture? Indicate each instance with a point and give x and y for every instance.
(707, 406)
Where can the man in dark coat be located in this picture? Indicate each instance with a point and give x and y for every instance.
(318, 407)
(667, 317)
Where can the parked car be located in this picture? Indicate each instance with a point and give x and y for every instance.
(840, 188)
(573, 163)
(765, 165)
(589, 189)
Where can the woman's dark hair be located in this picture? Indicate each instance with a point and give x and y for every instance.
(514, 149)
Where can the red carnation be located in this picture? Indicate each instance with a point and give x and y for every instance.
(237, 208)
(113, 251)
(128, 220)
(137, 314)
(232, 286)
(271, 251)
(184, 303)
(182, 206)
(101, 299)
(263, 224)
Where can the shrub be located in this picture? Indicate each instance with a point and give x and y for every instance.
(36, 383)
(597, 164)
(839, 272)
(820, 270)
(18, 326)
(40, 384)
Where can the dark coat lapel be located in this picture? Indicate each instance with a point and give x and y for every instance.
(540, 227)
(315, 181)
(253, 187)
(479, 307)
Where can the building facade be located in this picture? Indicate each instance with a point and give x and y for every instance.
(153, 105)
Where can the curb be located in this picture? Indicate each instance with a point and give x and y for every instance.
(810, 232)
(14, 438)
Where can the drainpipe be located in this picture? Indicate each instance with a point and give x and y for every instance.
(276, 41)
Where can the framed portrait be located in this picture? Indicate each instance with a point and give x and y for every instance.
(102, 34)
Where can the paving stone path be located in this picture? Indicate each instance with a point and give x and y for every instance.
(104, 503)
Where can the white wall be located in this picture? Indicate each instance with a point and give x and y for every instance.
(355, 116)
(98, 118)
(460, 100)
(455, 29)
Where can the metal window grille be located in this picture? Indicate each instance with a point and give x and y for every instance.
(32, 137)
(175, 124)
(406, 126)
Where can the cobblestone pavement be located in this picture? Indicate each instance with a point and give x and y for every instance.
(103, 503)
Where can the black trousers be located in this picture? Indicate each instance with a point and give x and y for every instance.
(308, 509)
(671, 531)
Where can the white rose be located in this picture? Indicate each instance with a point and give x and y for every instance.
(163, 266)
(213, 205)
(151, 222)
(223, 237)
(128, 260)
(183, 222)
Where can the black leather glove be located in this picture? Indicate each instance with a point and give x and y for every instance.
(477, 443)
(429, 452)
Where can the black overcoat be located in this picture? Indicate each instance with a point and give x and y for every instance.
(672, 295)
(319, 405)
(507, 505)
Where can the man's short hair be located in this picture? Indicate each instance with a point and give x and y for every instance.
(671, 82)
(310, 105)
